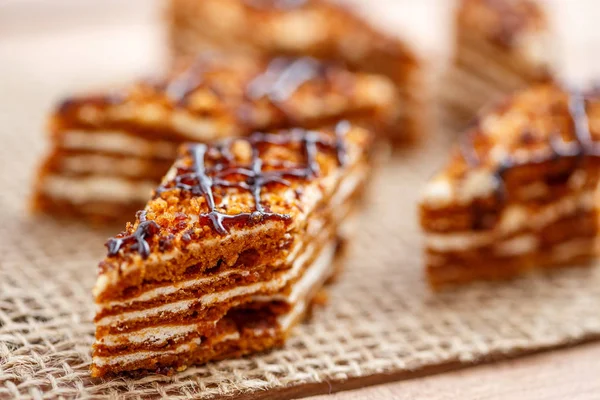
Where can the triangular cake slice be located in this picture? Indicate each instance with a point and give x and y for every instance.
(324, 29)
(500, 46)
(111, 148)
(519, 190)
(228, 254)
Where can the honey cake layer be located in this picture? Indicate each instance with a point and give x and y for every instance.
(246, 270)
(249, 327)
(143, 333)
(468, 247)
(574, 252)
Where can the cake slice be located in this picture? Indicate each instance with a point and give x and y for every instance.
(228, 254)
(111, 149)
(323, 29)
(500, 46)
(518, 192)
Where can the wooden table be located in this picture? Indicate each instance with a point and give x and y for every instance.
(29, 35)
(562, 374)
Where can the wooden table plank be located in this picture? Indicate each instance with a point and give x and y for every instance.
(562, 374)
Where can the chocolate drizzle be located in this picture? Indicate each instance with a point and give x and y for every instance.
(583, 145)
(283, 77)
(179, 89)
(200, 181)
(110, 98)
(144, 230)
(512, 19)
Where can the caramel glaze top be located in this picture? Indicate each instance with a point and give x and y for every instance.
(241, 94)
(558, 122)
(238, 182)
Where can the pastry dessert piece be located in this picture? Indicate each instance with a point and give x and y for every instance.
(110, 150)
(518, 192)
(323, 29)
(500, 46)
(228, 254)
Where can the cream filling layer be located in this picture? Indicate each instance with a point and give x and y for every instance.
(118, 142)
(141, 355)
(316, 276)
(189, 125)
(97, 188)
(145, 354)
(318, 271)
(103, 164)
(152, 335)
(514, 218)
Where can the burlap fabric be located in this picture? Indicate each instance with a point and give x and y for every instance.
(381, 321)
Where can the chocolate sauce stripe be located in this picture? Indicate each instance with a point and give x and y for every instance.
(145, 229)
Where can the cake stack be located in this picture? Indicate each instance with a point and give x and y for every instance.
(230, 251)
(323, 29)
(500, 46)
(518, 192)
(111, 149)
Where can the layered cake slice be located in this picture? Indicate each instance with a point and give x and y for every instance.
(323, 29)
(111, 149)
(228, 254)
(518, 192)
(500, 46)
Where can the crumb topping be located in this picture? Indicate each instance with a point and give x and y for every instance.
(238, 183)
(237, 93)
(542, 124)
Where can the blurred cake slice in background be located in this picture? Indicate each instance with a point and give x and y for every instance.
(229, 253)
(110, 149)
(318, 28)
(500, 46)
(519, 190)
